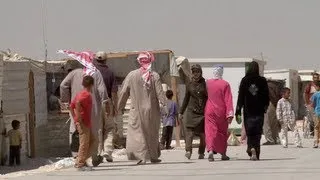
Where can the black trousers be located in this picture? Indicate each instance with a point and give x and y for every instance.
(253, 125)
(166, 136)
(14, 155)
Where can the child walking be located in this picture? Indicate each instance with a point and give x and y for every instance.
(286, 117)
(315, 100)
(15, 140)
(169, 120)
(80, 108)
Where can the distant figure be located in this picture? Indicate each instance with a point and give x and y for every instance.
(254, 99)
(218, 114)
(271, 126)
(145, 90)
(15, 141)
(194, 102)
(80, 108)
(109, 80)
(169, 120)
(287, 119)
(315, 101)
(311, 88)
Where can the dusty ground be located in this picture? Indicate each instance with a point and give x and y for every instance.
(276, 160)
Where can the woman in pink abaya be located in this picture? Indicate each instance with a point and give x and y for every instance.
(218, 114)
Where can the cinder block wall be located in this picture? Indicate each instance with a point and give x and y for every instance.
(52, 139)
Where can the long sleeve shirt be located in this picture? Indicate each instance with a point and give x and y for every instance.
(194, 103)
(285, 110)
(253, 96)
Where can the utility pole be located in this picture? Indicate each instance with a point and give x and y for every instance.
(261, 54)
(44, 29)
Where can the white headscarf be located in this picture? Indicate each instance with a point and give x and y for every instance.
(217, 71)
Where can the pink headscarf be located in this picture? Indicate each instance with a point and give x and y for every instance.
(85, 58)
(145, 60)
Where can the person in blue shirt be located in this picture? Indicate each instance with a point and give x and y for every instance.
(315, 100)
(169, 120)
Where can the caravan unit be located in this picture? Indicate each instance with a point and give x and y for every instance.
(234, 71)
(291, 78)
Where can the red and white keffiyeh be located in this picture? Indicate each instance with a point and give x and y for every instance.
(145, 60)
(85, 58)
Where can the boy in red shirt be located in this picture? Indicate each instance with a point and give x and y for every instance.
(80, 108)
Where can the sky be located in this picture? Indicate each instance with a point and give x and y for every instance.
(285, 32)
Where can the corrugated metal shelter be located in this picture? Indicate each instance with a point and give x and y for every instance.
(22, 87)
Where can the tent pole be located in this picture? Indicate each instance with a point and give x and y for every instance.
(175, 98)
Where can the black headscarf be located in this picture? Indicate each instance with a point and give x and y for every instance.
(253, 69)
(196, 67)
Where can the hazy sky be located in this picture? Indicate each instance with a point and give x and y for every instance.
(286, 31)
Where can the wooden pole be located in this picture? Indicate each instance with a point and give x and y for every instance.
(175, 98)
(31, 114)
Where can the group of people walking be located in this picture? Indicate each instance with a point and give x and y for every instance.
(312, 103)
(101, 105)
(280, 116)
(207, 110)
(210, 110)
(91, 91)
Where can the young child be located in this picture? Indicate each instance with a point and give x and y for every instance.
(315, 100)
(286, 117)
(15, 140)
(80, 108)
(169, 121)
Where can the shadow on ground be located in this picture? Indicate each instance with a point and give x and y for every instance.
(272, 159)
(29, 164)
(148, 164)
